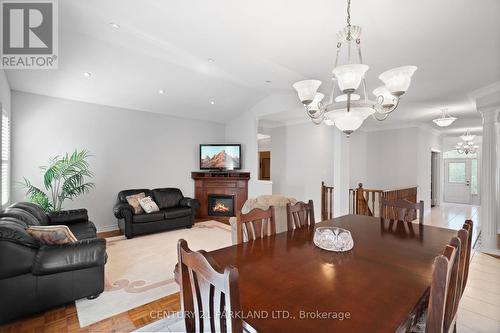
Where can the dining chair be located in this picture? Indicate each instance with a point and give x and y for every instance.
(257, 223)
(402, 210)
(300, 214)
(468, 226)
(209, 294)
(445, 292)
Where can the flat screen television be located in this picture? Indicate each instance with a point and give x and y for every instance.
(220, 156)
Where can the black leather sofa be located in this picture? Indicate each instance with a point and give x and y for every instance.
(176, 211)
(36, 277)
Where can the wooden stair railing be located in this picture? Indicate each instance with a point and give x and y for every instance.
(326, 202)
(364, 201)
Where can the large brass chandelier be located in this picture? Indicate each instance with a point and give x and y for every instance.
(350, 106)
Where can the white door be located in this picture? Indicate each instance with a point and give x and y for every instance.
(457, 181)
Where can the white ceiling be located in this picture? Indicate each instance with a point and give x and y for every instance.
(166, 45)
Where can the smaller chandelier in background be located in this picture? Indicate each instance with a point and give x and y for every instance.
(467, 146)
(445, 120)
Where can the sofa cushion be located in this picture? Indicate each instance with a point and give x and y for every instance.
(52, 234)
(20, 214)
(13, 230)
(151, 217)
(172, 213)
(122, 195)
(148, 205)
(83, 230)
(167, 197)
(133, 200)
(34, 210)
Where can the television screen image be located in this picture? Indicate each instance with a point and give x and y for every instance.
(225, 157)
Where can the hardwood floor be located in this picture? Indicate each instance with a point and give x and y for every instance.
(64, 319)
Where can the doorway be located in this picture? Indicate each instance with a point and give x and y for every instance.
(264, 165)
(435, 178)
(264, 148)
(461, 180)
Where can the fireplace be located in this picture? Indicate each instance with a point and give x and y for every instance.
(220, 205)
(223, 184)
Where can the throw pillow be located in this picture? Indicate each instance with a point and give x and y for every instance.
(149, 205)
(133, 200)
(52, 234)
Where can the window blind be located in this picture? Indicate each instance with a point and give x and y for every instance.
(5, 157)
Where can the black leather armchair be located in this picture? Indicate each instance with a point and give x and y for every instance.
(176, 211)
(35, 277)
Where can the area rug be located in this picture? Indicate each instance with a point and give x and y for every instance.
(141, 270)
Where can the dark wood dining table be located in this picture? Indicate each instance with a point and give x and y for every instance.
(287, 284)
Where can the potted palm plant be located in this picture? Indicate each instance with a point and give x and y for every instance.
(65, 177)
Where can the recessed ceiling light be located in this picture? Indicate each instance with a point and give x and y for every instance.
(212, 102)
(87, 74)
(161, 91)
(114, 25)
(268, 81)
(211, 60)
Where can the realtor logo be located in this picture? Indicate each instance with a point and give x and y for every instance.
(28, 34)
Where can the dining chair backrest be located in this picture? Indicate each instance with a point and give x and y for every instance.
(402, 210)
(209, 294)
(257, 223)
(326, 202)
(454, 292)
(444, 290)
(300, 214)
(468, 226)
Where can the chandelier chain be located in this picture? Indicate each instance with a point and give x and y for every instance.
(348, 13)
(349, 37)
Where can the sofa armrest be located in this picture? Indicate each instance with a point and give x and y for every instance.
(123, 210)
(68, 216)
(69, 257)
(194, 204)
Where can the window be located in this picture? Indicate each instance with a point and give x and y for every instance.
(5, 157)
(456, 172)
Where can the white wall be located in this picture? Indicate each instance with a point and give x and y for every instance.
(264, 144)
(244, 129)
(358, 158)
(132, 149)
(394, 158)
(302, 157)
(5, 101)
(428, 141)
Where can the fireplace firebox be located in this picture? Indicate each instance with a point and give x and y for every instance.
(220, 205)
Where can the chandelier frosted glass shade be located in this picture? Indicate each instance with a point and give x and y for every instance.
(445, 119)
(306, 90)
(467, 136)
(349, 76)
(444, 122)
(398, 80)
(349, 121)
(387, 99)
(314, 107)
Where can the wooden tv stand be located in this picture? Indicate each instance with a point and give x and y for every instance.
(219, 182)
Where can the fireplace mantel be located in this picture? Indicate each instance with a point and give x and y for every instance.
(226, 183)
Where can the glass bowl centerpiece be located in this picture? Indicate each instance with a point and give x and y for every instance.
(333, 239)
